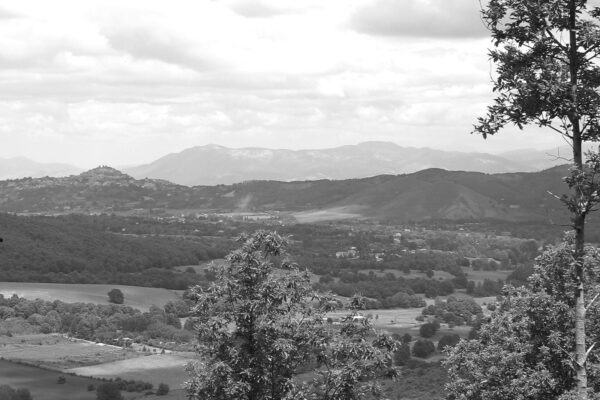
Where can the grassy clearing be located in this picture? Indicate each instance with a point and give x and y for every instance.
(42, 383)
(137, 297)
(167, 368)
(59, 353)
(330, 214)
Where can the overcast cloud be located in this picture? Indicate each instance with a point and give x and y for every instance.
(125, 82)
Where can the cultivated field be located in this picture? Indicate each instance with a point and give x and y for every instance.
(43, 384)
(137, 297)
(59, 353)
(330, 214)
(167, 368)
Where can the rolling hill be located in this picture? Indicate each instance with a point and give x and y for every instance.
(427, 194)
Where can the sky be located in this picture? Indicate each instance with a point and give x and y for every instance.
(123, 82)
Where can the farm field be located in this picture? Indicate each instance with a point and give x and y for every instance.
(59, 353)
(387, 318)
(330, 214)
(137, 297)
(166, 368)
(43, 384)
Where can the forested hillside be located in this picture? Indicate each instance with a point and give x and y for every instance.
(428, 194)
(80, 249)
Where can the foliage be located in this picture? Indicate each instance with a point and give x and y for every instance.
(423, 348)
(108, 391)
(450, 340)
(90, 321)
(548, 75)
(162, 389)
(523, 351)
(454, 311)
(79, 249)
(429, 329)
(116, 296)
(402, 356)
(259, 324)
(8, 393)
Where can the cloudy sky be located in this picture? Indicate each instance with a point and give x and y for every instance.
(124, 82)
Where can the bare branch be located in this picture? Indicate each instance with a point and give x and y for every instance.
(591, 303)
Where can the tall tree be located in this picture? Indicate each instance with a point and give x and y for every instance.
(548, 75)
(520, 352)
(260, 323)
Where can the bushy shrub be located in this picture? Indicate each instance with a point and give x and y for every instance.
(423, 348)
(450, 340)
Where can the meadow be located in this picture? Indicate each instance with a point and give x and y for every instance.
(137, 297)
(59, 353)
(156, 368)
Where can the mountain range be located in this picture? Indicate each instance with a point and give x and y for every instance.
(427, 194)
(212, 164)
(19, 167)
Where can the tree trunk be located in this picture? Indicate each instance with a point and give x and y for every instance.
(579, 215)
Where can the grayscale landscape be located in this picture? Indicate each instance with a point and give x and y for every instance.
(274, 200)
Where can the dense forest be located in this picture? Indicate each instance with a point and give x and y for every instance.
(82, 249)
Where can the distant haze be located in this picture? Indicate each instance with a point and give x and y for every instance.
(214, 164)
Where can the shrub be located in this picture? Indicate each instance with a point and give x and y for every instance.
(162, 390)
(428, 330)
(108, 391)
(61, 380)
(450, 340)
(116, 296)
(402, 355)
(423, 348)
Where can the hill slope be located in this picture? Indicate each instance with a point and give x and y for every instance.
(428, 194)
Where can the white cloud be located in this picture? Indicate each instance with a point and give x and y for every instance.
(85, 82)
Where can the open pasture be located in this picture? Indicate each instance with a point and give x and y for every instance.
(329, 214)
(137, 297)
(59, 353)
(42, 383)
(167, 368)
(386, 318)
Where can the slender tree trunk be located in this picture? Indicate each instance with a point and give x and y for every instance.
(579, 216)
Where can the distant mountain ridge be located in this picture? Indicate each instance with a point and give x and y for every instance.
(427, 194)
(20, 167)
(213, 164)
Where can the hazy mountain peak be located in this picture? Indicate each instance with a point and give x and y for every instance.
(213, 164)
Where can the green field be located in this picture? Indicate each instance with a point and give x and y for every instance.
(42, 383)
(137, 297)
(167, 368)
(59, 353)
